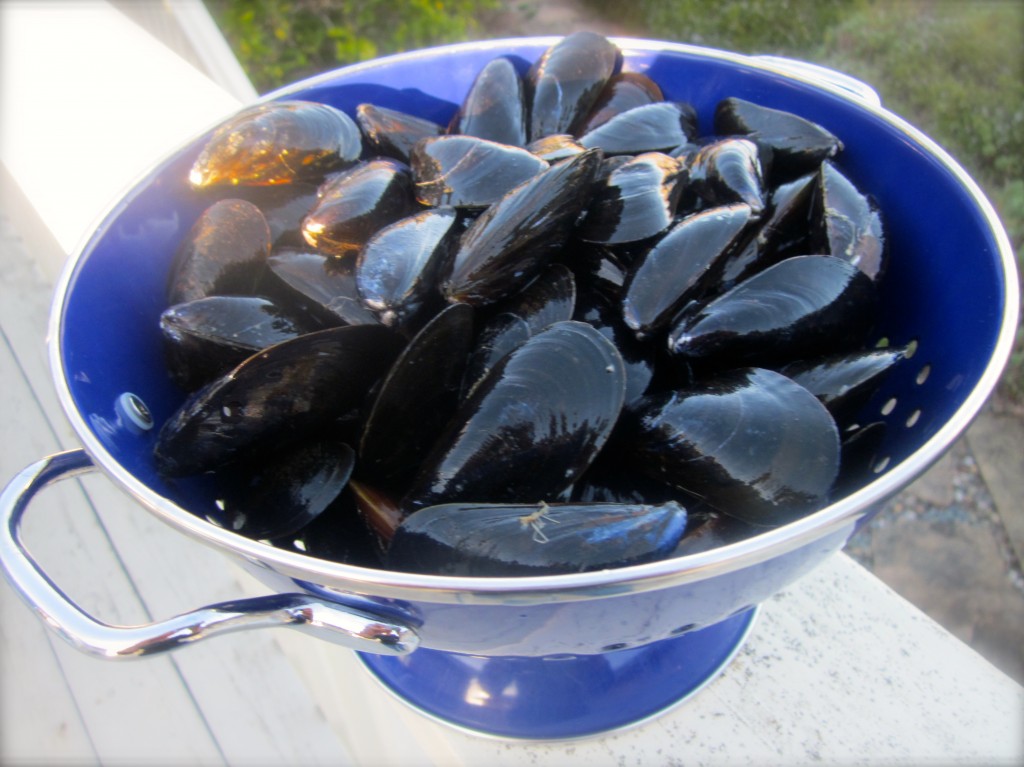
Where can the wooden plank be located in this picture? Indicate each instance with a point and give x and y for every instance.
(123, 706)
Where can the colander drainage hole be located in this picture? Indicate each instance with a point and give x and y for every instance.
(889, 406)
(881, 465)
(922, 374)
(913, 418)
(911, 349)
(615, 646)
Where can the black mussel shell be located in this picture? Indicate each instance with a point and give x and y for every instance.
(548, 299)
(225, 252)
(782, 233)
(637, 200)
(559, 146)
(418, 396)
(602, 313)
(322, 285)
(751, 443)
(623, 92)
(681, 266)
(469, 172)
(802, 307)
(563, 85)
(283, 493)
(495, 106)
(728, 171)
(398, 270)
(278, 143)
(205, 338)
(278, 395)
(657, 127)
(355, 204)
(540, 539)
(391, 133)
(339, 534)
(500, 336)
(514, 239)
(798, 145)
(846, 224)
(532, 427)
(845, 382)
(598, 268)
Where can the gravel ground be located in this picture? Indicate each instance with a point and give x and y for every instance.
(942, 545)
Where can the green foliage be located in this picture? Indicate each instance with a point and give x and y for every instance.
(279, 41)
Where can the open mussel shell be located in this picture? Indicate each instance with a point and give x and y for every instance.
(469, 172)
(539, 539)
(495, 106)
(797, 145)
(417, 398)
(801, 307)
(282, 493)
(636, 200)
(681, 266)
(225, 252)
(659, 127)
(398, 270)
(623, 92)
(207, 337)
(355, 204)
(278, 395)
(566, 81)
(532, 427)
(516, 237)
(392, 133)
(278, 143)
(750, 442)
(323, 286)
(847, 224)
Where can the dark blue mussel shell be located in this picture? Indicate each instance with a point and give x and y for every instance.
(798, 308)
(516, 237)
(532, 427)
(281, 394)
(207, 337)
(750, 442)
(563, 85)
(392, 133)
(495, 106)
(538, 539)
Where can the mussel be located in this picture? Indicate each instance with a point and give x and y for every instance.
(539, 539)
(278, 143)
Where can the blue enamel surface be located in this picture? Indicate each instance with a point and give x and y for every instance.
(560, 697)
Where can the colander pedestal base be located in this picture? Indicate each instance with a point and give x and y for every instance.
(560, 697)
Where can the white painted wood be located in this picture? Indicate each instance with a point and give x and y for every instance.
(92, 100)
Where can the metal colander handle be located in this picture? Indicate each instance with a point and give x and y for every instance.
(337, 623)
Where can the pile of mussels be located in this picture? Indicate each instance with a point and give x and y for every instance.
(561, 333)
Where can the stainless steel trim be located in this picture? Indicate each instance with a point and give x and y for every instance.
(351, 628)
(592, 585)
